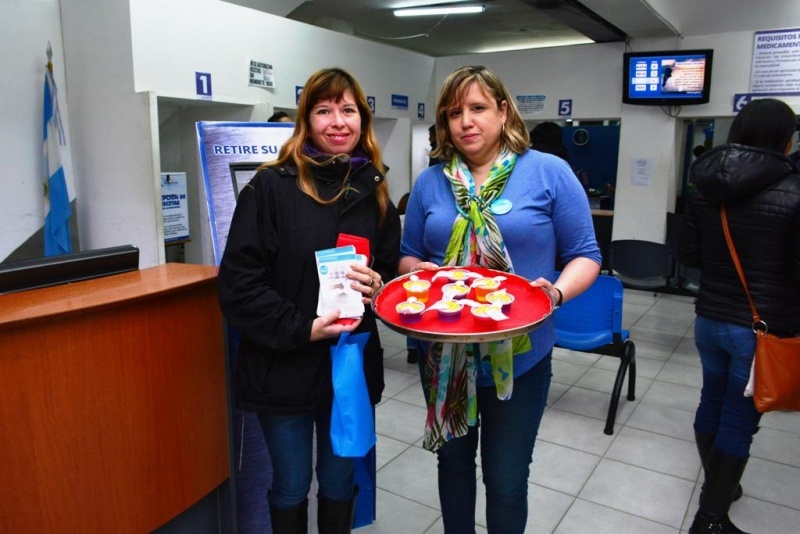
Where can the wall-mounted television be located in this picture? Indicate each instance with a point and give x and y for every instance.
(667, 78)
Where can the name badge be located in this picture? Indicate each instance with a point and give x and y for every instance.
(501, 206)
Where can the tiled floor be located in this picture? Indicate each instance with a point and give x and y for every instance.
(643, 479)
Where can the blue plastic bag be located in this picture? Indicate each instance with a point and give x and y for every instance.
(352, 422)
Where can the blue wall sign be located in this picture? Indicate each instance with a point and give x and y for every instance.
(371, 102)
(399, 102)
(565, 108)
(298, 90)
(740, 100)
(421, 110)
(202, 82)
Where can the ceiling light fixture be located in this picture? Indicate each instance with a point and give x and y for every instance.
(439, 10)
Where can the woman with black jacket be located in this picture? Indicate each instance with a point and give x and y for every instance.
(328, 180)
(760, 186)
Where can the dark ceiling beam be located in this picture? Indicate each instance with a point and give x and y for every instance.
(580, 18)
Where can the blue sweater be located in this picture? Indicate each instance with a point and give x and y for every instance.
(549, 216)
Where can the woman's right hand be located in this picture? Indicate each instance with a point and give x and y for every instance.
(325, 326)
(408, 264)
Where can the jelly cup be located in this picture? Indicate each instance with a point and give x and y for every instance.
(484, 286)
(457, 290)
(455, 275)
(410, 311)
(418, 289)
(483, 313)
(450, 310)
(501, 299)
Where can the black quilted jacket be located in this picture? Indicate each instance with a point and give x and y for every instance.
(761, 189)
(269, 286)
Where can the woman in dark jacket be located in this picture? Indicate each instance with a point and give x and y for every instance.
(760, 187)
(327, 180)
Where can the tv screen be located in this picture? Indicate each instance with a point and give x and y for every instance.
(667, 78)
(241, 174)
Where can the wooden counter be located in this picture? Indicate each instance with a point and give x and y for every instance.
(113, 401)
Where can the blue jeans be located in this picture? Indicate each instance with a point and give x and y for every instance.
(726, 351)
(290, 442)
(507, 436)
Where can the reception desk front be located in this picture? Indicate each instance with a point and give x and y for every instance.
(113, 403)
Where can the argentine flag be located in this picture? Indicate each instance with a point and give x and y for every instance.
(56, 199)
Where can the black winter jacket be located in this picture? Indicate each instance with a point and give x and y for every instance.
(268, 283)
(761, 189)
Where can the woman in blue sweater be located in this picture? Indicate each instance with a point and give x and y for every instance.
(493, 203)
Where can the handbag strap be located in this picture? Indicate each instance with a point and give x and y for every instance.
(738, 265)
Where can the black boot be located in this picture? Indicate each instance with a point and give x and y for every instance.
(289, 520)
(336, 517)
(704, 443)
(723, 474)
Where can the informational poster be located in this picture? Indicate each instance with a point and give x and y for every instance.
(262, 74)
(227, 150)
(641, 171)
(174, 207)
(529, 105)
(776, 62)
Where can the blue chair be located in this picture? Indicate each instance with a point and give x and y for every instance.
(592, 322)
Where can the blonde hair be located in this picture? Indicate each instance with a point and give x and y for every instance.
(330, 84)
(514, 135)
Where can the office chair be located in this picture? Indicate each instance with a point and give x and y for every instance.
(641, 264)
(592, 322)
(686, 279)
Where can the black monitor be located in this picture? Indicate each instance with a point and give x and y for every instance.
(65, 268)
(242, 173)
(667, 78)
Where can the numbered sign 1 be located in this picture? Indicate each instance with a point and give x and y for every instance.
(298, 90)
(202, 82)
(565, 108)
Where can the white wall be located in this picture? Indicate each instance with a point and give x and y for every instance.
(591, 75)
(25, 29)
(173, 39)
(114, 131)
(121, 56)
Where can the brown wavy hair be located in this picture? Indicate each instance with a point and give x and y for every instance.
(515, 135)
(330, 84)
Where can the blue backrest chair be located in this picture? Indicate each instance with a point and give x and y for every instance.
(592, 322)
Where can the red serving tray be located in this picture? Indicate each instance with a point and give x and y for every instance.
(532, 305)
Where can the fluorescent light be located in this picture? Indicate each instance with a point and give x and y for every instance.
(438, 10)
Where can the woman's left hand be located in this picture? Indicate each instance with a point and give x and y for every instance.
(364, 280)
(552, 292)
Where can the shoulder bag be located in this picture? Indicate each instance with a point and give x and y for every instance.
(776, 363)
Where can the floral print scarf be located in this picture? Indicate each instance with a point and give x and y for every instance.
(451, 369)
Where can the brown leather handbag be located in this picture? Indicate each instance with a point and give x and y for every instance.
(776, 366)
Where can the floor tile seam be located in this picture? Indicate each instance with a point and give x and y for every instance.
(650, 403)
(628, 425)
(625, 512)
(595, 418)
(652, 470)
(426, 505)
(676, 383)
(772, 460)
(773, 503)
(411, 444)
(599, 456)
(780, 429)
